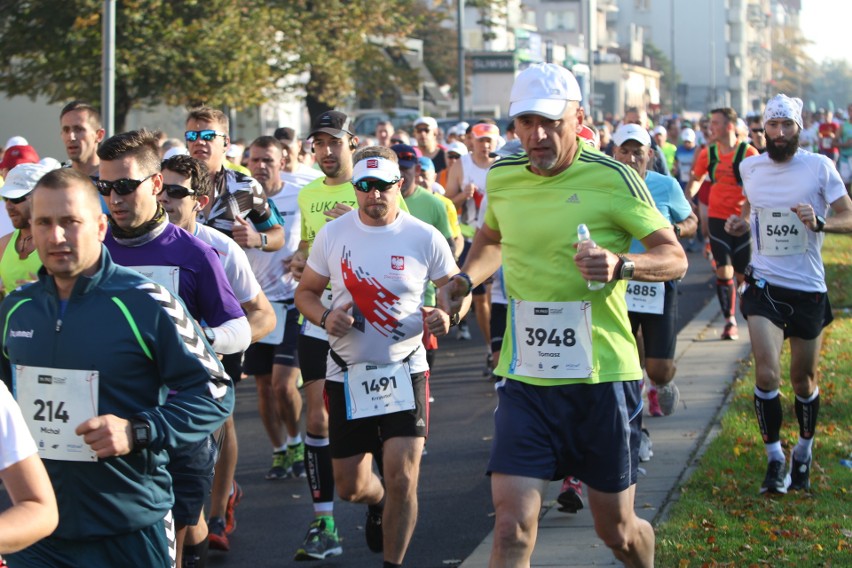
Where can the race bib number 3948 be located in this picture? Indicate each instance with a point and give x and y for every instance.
(54, 402)
(552, 340)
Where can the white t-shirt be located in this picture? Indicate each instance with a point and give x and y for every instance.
(382, 271)
(276, 280)
(471, 173)
(16, 443)
(234, 261)
(768, 185)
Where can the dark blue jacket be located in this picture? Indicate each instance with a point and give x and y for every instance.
(142, 343)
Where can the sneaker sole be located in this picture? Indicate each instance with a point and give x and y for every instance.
(217, 543)
(302, 555)
(569, 502)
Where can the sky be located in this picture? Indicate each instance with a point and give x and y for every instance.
(826, 23)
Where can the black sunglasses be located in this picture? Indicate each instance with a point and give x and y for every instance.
(16, 200)
(120, 186)
(397, 141)
(406, 156)
(176, 191)
(423, 129)
(757, 130)
(206, 135)
(368, 185)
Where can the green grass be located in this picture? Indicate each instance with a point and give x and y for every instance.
(722, 520)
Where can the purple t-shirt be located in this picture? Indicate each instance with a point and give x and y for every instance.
(186, 266)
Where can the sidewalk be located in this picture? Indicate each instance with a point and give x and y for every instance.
(705, 368)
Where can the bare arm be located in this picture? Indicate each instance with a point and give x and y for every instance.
(33, 513)
(247, 236)
(483, 260)
(308, 301)
(260, 315)
(688, 226)
(840, 222)
(455, 190)
(663, 260)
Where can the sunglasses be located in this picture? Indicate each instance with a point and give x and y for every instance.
(757, 130)
(368, 185)
(422, 129)
(397, 141)
(453, 156)
(206, 135)
(120, 186)
(407, 156)
(176, 191)
(16, 200)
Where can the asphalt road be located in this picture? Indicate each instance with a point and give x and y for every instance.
(455, 503)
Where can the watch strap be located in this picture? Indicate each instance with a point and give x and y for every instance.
(140, 430)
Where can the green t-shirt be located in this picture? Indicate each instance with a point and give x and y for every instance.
(845, 136)
(425, 206)
(537, 218)
(669, 151)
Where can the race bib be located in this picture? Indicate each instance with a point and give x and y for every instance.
(54, 402)
(374, 390)
(276, 336)
(827, 143)
(166, 276)
(552, 340)
(316, 331)
(646, 297)
(779, 232)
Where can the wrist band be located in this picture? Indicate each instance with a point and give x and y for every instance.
(324, 316)
(469, 282)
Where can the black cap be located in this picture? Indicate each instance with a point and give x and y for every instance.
(331, 122)
(285, 134)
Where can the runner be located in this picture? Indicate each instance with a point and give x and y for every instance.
(378, 260)
(112, 487)
(789, 192)
(549, 387)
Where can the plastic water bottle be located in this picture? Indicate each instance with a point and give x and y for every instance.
(583, 236)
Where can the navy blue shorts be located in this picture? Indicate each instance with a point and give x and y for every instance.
(659, 331)
(349, 438)
(191, 467)
(261, 356)
(591, 432)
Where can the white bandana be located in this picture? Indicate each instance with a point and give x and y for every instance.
(782, 106)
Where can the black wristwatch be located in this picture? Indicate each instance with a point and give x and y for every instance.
(628, 267)
(454, 319)
(820, 224)
(141, 430)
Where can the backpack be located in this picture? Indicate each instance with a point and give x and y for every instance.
(713, 154)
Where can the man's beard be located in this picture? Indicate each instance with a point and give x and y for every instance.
(782, 153)
(376, 210)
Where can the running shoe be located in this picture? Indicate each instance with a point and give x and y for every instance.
(668, 397)
(645, 445)
(571, 498)
(373, 528)
(217, 535)
(730, 332)
(800, 475)
(463, 332)
(320, 543)
(281, 466)
(654, 403)
(296, 455)
(233, 500)
(776, 478)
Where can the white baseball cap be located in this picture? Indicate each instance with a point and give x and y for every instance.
(544, 89)
(659, 129)
(428, 121)
(687, 135)
(16, 141)
(627, 132)
(22, 179)
(457, 148)
(376, 167)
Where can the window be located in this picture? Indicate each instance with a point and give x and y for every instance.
(560, 20)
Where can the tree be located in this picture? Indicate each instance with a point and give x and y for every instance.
(791, 66)
(189, 52)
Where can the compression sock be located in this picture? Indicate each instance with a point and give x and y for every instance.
(196, 552)
(726, 291)
(767, 407)
(807, 410)
(387, 564)
(318, 464)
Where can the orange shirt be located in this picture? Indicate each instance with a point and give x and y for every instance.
(726, 197)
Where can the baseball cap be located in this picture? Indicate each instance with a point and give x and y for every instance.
(22, 179)
(484, 129)
(627, 132)
(405, 154)
(375, 167)
(426, 163)
(428, 121)
(18, 155)
(16, 141)
(687, 135)
(457, 148)
(544, 89)
(175, 151)
(331, 122)
(659, 129)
